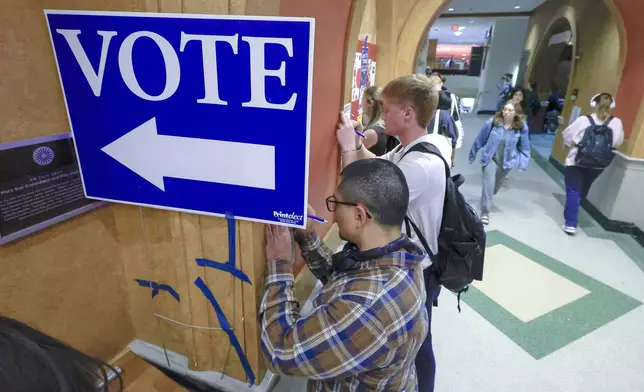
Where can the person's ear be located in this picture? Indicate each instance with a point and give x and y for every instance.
(409, 113)
(361, 216)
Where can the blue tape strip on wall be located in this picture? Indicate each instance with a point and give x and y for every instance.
(232, 255)
(228, 266)
(156, 287)
(223, 322)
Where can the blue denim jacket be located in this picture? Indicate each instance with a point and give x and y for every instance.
(517, 145)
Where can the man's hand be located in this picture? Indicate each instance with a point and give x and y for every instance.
(278, 243)
(346, 134)
(310, 222)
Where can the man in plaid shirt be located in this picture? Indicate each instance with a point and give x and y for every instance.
(369, 319)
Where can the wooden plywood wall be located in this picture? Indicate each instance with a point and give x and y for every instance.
(76, 280)
(163, 247)
(67, 280)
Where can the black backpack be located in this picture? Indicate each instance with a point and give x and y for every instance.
(461, 241)
(595, 151)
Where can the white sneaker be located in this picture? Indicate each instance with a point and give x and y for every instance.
(569, 230)
(485, 220)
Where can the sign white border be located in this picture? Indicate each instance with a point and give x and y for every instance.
(310, 21)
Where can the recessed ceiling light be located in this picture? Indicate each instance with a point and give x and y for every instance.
(516, 7)
(457, 33)
(451, 9)
(461, 28)
(471, 21)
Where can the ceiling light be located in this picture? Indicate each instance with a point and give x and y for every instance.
(461, 28)
(471, 21)
(451, 9)
(516, 7)
(457, 33)
(464, 54)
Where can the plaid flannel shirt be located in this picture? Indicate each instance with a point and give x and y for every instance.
(366, 327)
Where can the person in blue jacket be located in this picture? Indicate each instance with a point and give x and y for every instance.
(505, 144)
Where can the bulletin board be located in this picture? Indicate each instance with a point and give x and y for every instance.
(364, 74)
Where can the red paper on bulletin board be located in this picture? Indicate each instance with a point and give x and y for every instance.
(364, 74)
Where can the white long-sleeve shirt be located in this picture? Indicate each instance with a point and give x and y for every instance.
(575, 132)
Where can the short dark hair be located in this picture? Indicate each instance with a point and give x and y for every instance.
(34, 361)
(444, 100)
(517, 89)
(380, 186)
(599, 97)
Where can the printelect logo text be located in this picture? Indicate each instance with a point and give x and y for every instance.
(293, 216)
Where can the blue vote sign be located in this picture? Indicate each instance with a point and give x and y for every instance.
(206, 114)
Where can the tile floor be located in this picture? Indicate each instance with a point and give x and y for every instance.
(554, 313)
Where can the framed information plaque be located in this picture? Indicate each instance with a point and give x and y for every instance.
(40, 185)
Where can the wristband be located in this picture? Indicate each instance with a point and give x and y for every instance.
(355, 149)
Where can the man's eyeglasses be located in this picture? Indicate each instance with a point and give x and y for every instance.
(332, 205)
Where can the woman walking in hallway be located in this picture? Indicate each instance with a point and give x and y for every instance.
(592, 140)
(505, 145)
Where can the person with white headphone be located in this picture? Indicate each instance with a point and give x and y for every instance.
(592, 141)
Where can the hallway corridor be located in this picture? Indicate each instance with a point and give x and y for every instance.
(147, 145)
(554, 313)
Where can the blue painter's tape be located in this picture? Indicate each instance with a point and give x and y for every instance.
(223, 322)
(232, 242)
(156, 287)
(226, 267)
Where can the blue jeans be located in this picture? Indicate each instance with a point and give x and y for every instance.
(425, 360)
(578, 182)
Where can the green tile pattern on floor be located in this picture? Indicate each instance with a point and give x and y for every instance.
(560, 327)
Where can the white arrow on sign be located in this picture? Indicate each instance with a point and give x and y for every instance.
(153, 156)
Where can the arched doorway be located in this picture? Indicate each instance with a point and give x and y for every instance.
(414, 31)
(399, 27)
(550, 73)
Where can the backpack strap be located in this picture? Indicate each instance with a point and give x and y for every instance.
(454, 108)
(426, 148)
(420, 235)
(437, 120)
